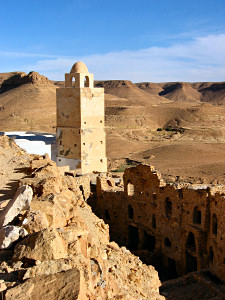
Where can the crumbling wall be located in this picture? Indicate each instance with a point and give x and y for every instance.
(112, 209)
(179, 228)
(79, 184)
(216, 235)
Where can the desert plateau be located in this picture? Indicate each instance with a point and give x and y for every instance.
(177, 127)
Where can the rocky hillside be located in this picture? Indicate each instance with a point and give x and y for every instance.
(27, 100)
(54, 247)
(12, 80)
(212, 92)
(127, 89)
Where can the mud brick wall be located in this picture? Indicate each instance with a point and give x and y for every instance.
(185, 225)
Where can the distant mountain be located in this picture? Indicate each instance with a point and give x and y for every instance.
(127, 89)
(213, 92)
(150, 87)
(180, 91)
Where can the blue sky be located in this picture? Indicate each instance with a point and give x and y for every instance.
(145, 40)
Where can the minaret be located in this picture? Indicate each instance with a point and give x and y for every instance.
(80, 122)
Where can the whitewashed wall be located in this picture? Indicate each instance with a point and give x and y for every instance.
(34, 142)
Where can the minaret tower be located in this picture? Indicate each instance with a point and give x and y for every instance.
(80, 122)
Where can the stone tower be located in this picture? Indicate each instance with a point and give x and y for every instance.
(80, 122)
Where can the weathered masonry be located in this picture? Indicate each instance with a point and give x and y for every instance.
(80, 122)
(180, 228)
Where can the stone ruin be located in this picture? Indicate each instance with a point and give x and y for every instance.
(179, 229)
(176, 227)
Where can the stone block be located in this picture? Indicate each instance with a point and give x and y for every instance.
(44, 245)
(61, 286)
(10, 234)
(21, 201)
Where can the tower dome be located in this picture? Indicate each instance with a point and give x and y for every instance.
(79, 67)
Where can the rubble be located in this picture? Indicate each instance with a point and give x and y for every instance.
(10, 234)
(43, 245)
(20, 202)
(67, 253)
(62, 285)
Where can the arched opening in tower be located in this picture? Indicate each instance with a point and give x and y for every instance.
(86, 82)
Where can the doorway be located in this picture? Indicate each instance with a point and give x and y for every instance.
(133, 237)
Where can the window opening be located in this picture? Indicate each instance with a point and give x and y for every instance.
(214, 224)
(168, 206)
(130, 212)
(130, 189)
(107, 215)
(197, 216)
(86, 81)
(133, 238)
(73, 81)
(167, 242)
(153, 221)
(211, 254)
(190, 243)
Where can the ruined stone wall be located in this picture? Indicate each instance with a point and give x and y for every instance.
(178, 227)
(216, 235)
(79, 184)
(112, 209)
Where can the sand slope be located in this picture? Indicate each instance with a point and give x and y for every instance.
(28, 107)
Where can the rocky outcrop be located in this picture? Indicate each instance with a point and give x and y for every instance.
(43, 245)
(67, 253)
(20, 78)
(35, 221)
(63, 285)
(48, 267)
